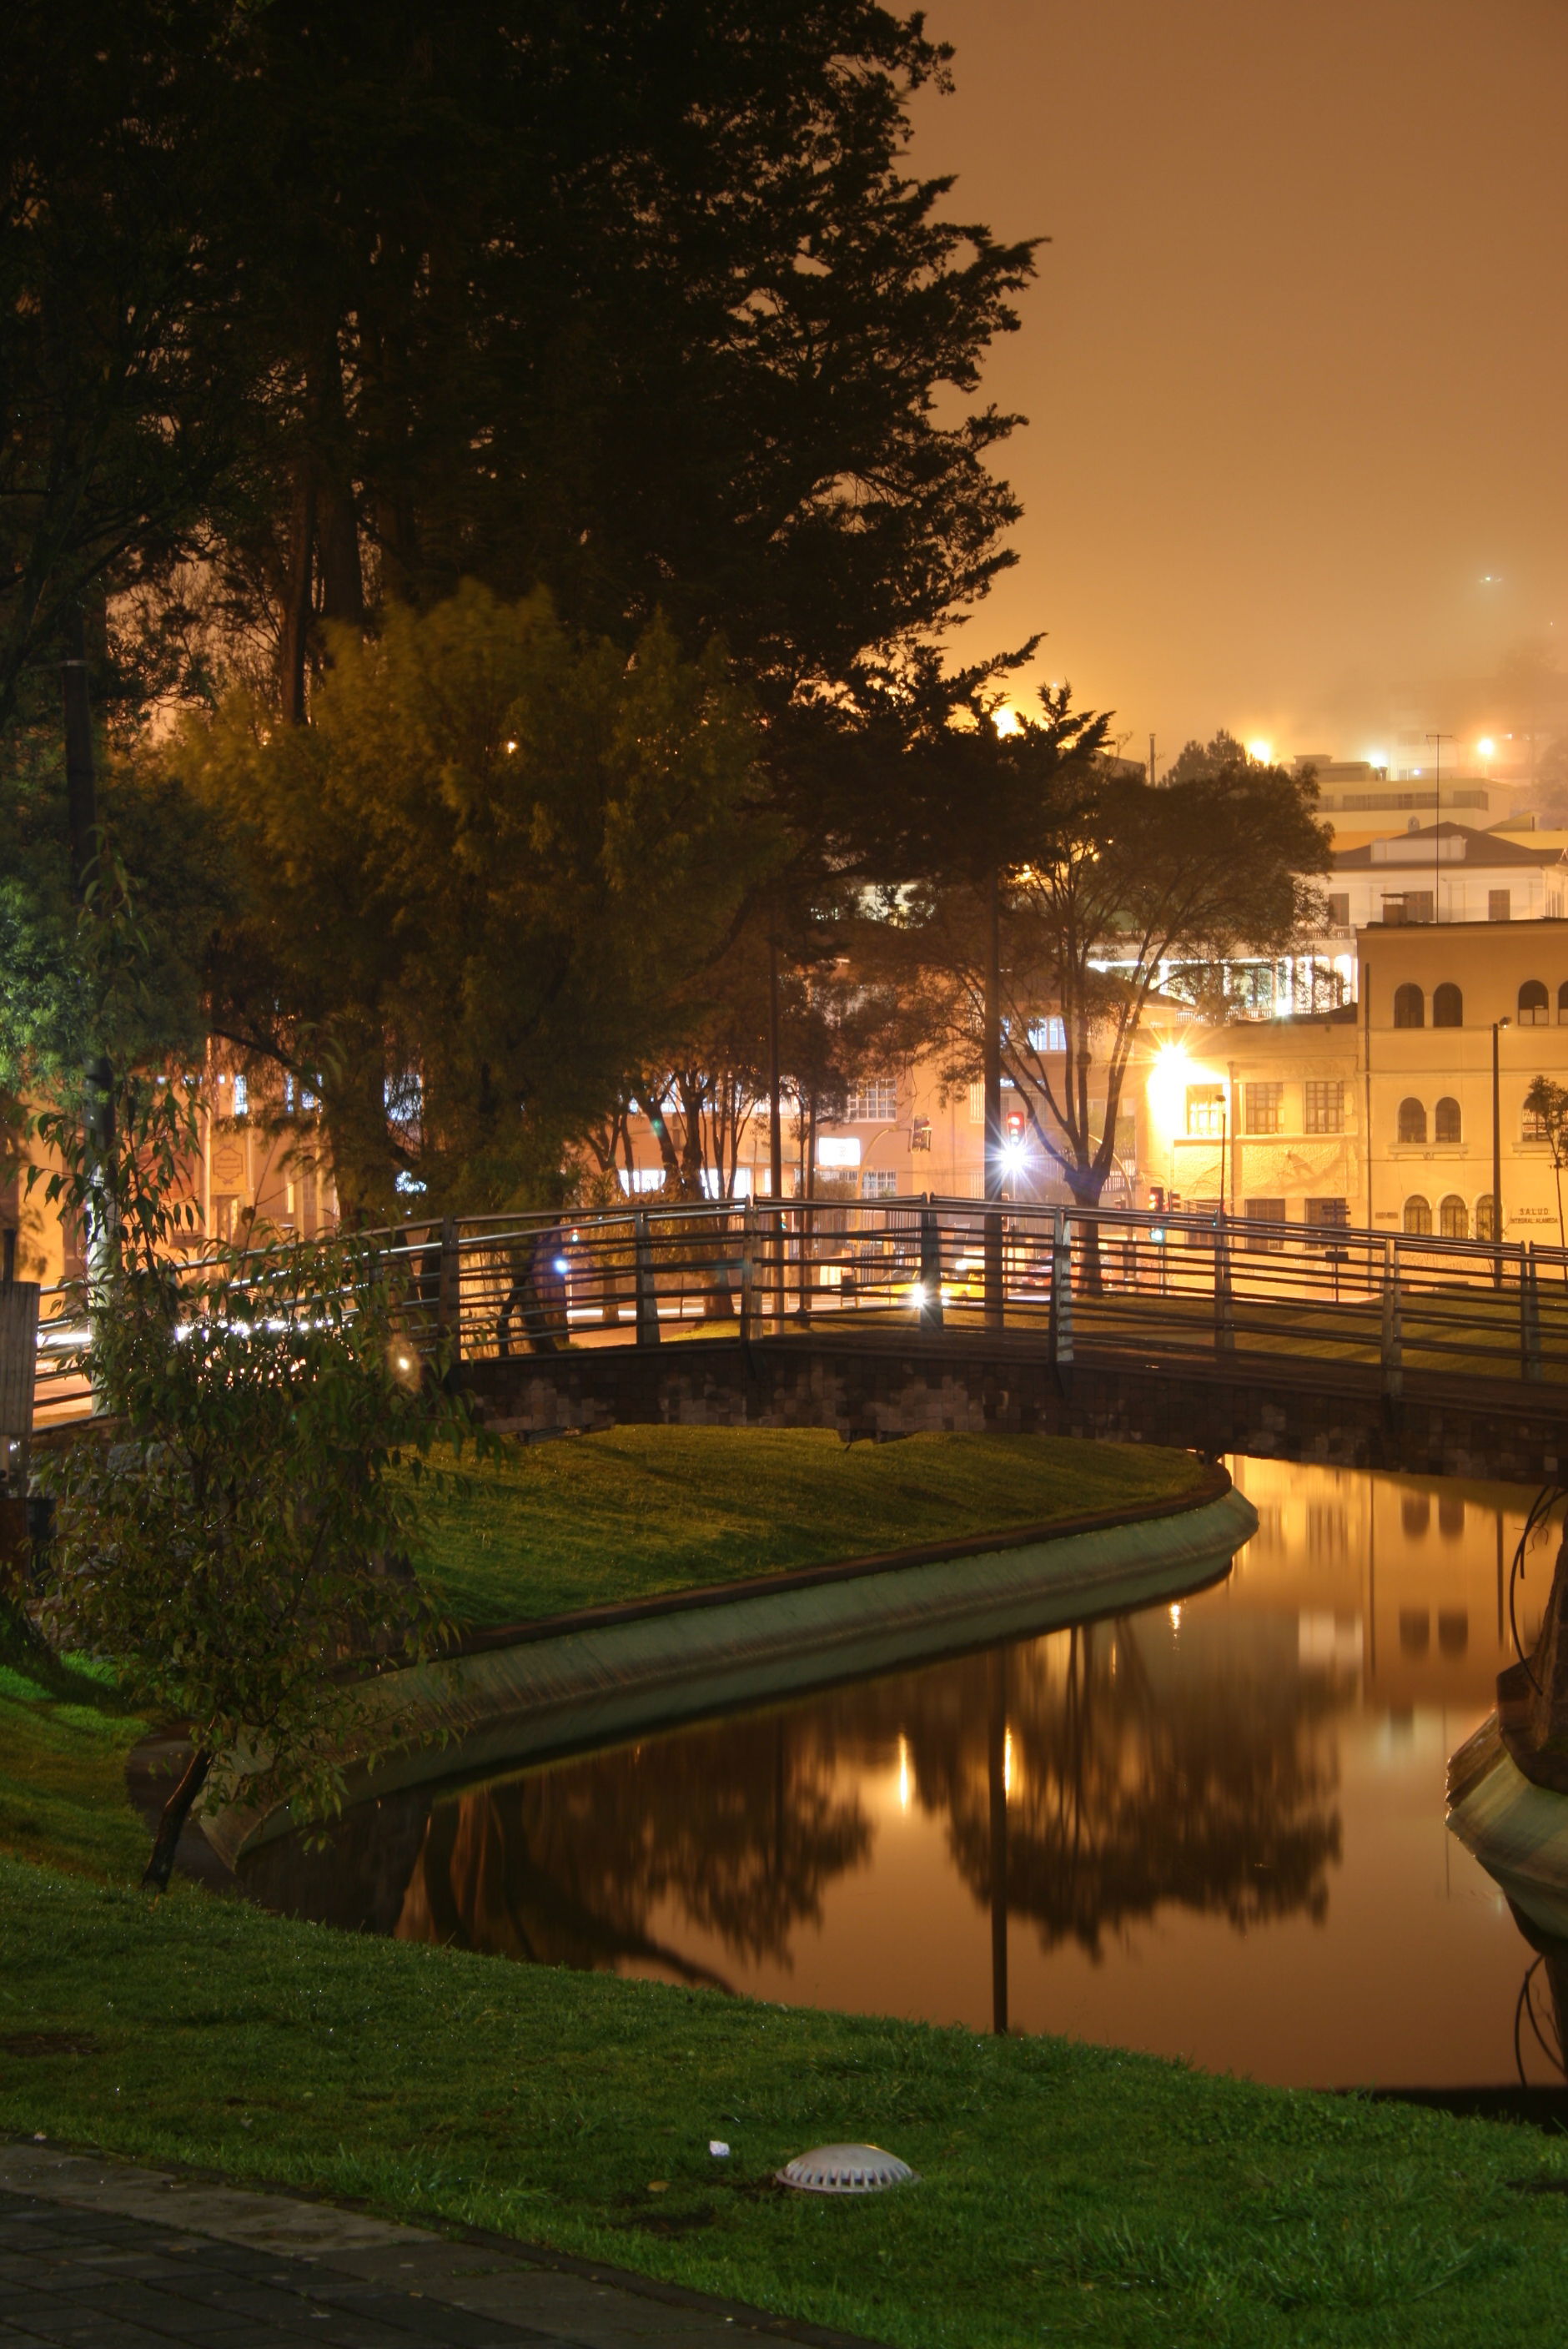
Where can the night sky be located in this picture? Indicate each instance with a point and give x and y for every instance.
(1295, 364)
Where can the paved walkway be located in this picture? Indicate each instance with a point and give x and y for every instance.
(99, 2254)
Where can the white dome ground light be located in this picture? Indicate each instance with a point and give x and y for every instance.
(846, 2169)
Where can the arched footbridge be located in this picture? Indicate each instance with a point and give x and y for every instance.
(881, 1318)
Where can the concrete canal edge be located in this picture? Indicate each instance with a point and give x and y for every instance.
(570, 1683)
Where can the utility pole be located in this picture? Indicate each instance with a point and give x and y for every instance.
(1151, 769)
(82, 825)
(1437, 741)
(992, 1069)
(775, 1122)
(1497, 1026)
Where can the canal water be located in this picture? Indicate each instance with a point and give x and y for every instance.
(1213, 1829)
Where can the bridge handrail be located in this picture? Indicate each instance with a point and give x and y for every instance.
(1183, 1283)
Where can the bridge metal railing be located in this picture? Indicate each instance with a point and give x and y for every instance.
(1107, 1281)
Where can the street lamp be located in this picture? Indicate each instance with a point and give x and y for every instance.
(1497, 1028)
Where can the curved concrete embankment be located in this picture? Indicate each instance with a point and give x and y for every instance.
(1517, 1830)
(587, 1679)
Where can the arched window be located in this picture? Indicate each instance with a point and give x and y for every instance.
(1562, 1004)
(1419, 1215)
(1453, 1218)
(1448, 1006)
(1413, 1122)
(1446, 1121)
(1532, 1011)
(1486, 1217)
(1409, 1007)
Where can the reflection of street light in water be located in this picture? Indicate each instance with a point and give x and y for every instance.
(903, 1772)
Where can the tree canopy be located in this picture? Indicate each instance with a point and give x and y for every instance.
(476, 882)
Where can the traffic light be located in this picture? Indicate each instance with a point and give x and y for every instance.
(1016, 1125)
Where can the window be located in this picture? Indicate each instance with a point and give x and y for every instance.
(1264, 1108)
(1453, 1218)
(1412, 1121)
(1418, 1214)
(1446, 1124)
(1533, 1125)
(1532, 1004)
(1266, 1211)
(1048, 1036)
(1339, 909)
(637, 1180)
(837, 1150)
(1404, 905)
(1409, 1007)
(1327, 1215)
(1563, 1004)
(1206, 1109)
(920, 1134)
(1325, 1105)
(1448, 1006)
(879, 1183)
(1486, 1217)
(1499, 906)
(977, 1102)
(872, 1101)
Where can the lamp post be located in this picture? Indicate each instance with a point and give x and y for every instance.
(1497, 1028)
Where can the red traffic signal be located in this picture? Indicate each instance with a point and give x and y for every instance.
(1017, 1124)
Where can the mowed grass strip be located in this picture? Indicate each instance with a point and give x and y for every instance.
(645, 1510)
(1068, 2191)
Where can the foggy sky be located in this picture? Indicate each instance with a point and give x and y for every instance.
(1295, 362)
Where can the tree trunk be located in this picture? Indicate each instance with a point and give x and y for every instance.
(176, 1811)
(295, 634)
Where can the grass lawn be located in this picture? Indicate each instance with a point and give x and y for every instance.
(646, 1509)
(1069, 2191)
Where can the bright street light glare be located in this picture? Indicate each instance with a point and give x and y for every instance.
(1486, 748)
(1005, 721)
(1262, 752)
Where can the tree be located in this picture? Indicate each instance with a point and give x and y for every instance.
(229, 1527)
(477, 883)
(1547, 1104)
(1117, 882)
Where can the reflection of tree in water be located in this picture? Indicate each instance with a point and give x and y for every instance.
(739, 1823)
(1212, 1789)
(1211, 1792)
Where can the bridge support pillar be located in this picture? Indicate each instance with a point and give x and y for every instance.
(1530, 1365)
(930, 1312)
(1393, 1330)
(1061, 1293)
(1224, 1295)
(647, 1291)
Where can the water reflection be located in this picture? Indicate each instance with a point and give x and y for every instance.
(1213, 1828)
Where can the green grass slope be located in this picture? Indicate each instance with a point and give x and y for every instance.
(644, 1510)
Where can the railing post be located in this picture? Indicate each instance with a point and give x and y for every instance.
(450, 1289)
(647, 1291)
(748, 1271)
(930, 1308)
(1061, 1291)
(1224, 1295)
(1529, 1316)
(1393, 1332)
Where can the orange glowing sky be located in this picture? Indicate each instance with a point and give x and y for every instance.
(1295, 362)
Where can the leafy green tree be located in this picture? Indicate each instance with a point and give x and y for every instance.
(477, 882)
(229, 1527)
